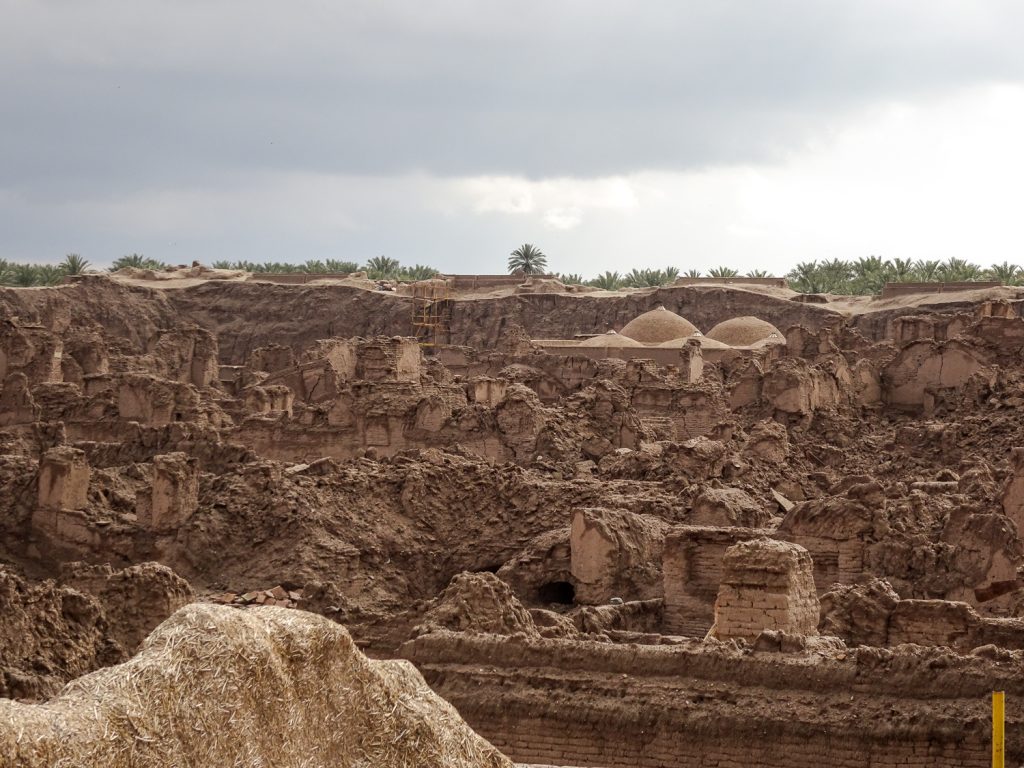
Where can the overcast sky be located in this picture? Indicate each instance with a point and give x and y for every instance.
(611, 134)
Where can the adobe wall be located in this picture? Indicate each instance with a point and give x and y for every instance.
(870, 618)
(690, 413)
(564, 315)
(834, 559)
(773, 282)
(615, 553)
(550, 376)
(563, 703)
(692, 570)
(295, 278)
(889, 290)
(766, 585)
(915, 377)
(479, 282)
(660, 355)
(247, 315)
(554, 741)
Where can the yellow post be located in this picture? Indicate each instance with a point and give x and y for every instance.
(998, 743)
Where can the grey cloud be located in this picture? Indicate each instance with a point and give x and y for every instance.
(113, 99)
(162, 92)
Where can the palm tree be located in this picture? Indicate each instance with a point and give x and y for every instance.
(24, 275)
(381, 268)
(837, 276)
(807, 277)
(48, 274)
(136, 261)
(723, 272)
(314, 267)
(642, 278)
(528, 259)
(759, 273)
(865, 275)
(609, 281)
(955, 270)
(5, 272)
(650, 278)
(637, 278)
(417, 272)
(74, 264)
(341, 267)
(571, 279)
(927, 271)
(1006, 273)
(693, 273)
(900, 271)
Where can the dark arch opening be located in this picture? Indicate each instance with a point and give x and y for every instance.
(489, 569)
(561, 592)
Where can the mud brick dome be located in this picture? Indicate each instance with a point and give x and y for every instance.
(657, 326)
(744, 331)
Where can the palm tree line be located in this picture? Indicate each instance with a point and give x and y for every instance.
(377, 268)
(863, 276)
(28, 275)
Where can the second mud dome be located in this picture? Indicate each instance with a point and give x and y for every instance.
(689, 526)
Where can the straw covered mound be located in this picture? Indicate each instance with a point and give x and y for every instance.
(610, 340)
(214, 685)
(657, 326)
(743, 331)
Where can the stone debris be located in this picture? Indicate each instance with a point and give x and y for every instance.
(277, 596)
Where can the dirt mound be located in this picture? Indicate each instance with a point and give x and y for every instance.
(657, 326)
(48, 635)
(135, 599)
(479, 602)
(744, 331)
(858, 613)
(270, 686)
(95, 616)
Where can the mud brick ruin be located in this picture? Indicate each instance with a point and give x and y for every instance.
(712, 524)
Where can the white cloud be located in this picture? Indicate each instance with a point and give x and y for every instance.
(561, 204)
(563, 218)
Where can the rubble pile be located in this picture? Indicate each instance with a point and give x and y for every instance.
(731, 471)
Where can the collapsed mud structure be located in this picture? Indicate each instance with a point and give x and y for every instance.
(698, 525)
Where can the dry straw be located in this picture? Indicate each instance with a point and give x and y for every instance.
(218, 686)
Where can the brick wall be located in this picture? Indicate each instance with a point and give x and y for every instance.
(554, 741)
(564, 703)
(692, 571)
(905, 289)
(766, 584)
